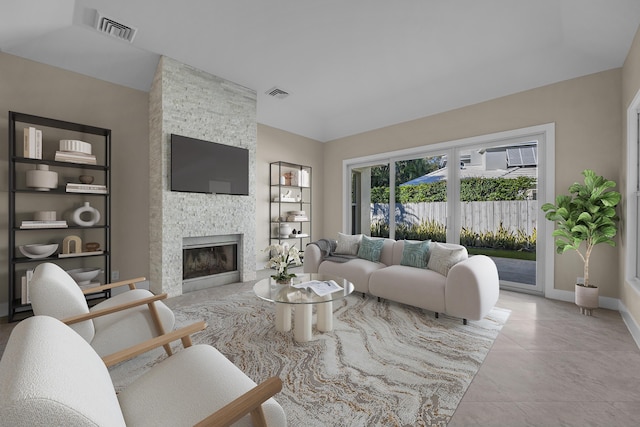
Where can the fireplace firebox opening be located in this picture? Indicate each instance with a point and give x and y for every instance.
(210, 261)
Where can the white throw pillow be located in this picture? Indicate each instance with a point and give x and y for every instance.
(442, 258)
(348, 244)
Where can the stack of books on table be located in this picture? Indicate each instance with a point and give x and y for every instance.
(32, 143)
(43, 224)
(73, 187)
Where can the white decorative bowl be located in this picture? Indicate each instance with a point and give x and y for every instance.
(84, 276)
(75, 146)
(38, 250)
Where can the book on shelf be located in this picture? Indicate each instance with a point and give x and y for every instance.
(44, 224)
(32, 143)
(297, 218)
(73, 187)
(73, 157)
(320, 287)
(25, 297)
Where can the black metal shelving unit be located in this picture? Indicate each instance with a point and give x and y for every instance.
(279, 210)
(19, 193)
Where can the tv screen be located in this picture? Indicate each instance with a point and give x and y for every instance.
(199, 166)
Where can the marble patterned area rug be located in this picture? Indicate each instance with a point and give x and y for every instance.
(384, 364)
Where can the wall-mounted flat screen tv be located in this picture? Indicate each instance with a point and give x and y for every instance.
(199, 166)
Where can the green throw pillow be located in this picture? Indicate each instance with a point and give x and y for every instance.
(415, 254)
(370, 249)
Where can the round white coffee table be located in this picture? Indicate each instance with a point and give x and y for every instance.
(287, 296)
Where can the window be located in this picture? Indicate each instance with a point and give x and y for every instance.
(427, 199)
(632, 235)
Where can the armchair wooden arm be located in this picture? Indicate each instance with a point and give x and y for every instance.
(182, 334)
(149, 301)
(91, 315)
(250, 402)
(131, 283)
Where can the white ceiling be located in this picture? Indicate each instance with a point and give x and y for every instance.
(349, 65)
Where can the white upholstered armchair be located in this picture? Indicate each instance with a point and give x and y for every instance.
(50, 376)
(119, 322)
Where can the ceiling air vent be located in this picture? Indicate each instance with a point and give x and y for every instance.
(277, 93)
(114, 28)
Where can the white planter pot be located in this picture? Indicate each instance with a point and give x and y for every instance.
(586, 299)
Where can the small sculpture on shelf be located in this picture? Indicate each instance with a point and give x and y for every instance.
(72, 245)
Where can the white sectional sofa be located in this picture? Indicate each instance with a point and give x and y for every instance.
(449, 282)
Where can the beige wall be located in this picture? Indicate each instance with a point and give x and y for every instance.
(277, 145)
(33, 88)
(587, 115)
(630, 86)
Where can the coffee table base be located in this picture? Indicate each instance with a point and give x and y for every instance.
(283, 317)
(302, 328)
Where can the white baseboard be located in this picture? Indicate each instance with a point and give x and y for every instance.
(631, 323)
(569, 296)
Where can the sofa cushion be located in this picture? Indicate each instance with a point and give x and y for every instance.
(445, 256)
(370, 249)
(348, 244)
(150, 399)
(417, 287)
(357, 271)
(415, 254)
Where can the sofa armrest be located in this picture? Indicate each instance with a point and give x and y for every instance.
(472, 288)
(312, 259)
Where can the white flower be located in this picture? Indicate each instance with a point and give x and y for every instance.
(282, 256)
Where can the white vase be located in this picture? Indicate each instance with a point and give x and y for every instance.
(285, 230)
(90, 213)
(41, 178)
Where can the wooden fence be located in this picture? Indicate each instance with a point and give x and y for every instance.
(477, 216)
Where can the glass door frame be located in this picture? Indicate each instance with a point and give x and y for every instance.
(544, 134)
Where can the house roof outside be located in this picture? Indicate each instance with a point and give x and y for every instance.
(519, 160)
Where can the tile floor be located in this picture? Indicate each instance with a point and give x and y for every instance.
(550, 366)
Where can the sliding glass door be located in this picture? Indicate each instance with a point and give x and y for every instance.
(421, 198)
(498, 208)
(369, 208)
(482, 195)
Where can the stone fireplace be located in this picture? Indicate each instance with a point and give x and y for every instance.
(186, 101)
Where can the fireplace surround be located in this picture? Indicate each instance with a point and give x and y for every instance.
(210, 261)
(186, 101)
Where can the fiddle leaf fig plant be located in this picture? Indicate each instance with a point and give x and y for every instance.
(587, 215)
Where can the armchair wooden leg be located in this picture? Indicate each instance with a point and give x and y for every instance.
(257, 417)
(186, 341)
(160, 329)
